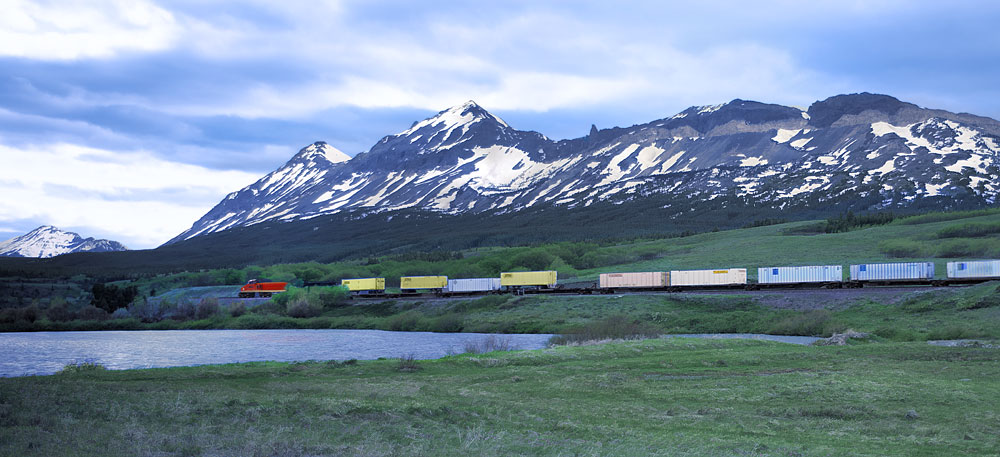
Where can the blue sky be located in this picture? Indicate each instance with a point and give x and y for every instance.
(130, 119)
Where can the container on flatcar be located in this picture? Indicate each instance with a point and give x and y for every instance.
(797, 275)
(643, 279)
(471, 285)
(719, 277)
(528, 278)
(364, 285)
(904, 271)
(423, 282)
(974, 269)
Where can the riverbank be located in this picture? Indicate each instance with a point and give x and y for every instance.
(907, 314)
(649, 397)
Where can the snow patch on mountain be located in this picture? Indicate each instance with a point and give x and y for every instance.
(784, 135)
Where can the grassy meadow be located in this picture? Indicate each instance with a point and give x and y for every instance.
(674, 397)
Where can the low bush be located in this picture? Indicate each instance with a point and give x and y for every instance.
(301, 307)
(448, 323)
(972, 230)
(809, 323)
(617, 327)
(903, 248)
(488, 344)
(405, 322)
(237, 309)
(207, 308)
(87, 366)
(408, 364)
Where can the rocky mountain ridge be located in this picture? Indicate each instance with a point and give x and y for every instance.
(48, 241)
(863, 151)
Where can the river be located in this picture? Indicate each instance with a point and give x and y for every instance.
(39, 353)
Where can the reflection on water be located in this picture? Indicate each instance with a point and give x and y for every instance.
(47, 352)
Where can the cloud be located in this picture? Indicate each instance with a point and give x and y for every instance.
(104, 88)
(66, 30)
(143, 200)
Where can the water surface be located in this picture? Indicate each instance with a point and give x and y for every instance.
(34, 353)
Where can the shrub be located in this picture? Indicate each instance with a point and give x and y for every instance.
(185, 310)
(612, 327)
(488, 344)
(902, 248)
(968, 230)
(92, 313)
(237, 309)
(302, 308)
(449, 323)
(489, 301)
(405, 322)
(121, 313)
(146, 310)
(60, 313)
(87, 366)
(207, 308)
(809, 323)
(329, 297)
(408, 363)
(988, 301)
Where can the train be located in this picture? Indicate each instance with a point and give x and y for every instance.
(825, 276)
(259, 289)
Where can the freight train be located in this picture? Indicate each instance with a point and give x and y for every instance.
(826, 276)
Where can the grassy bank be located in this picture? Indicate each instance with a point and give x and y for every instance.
(900, 315)
(649, 397)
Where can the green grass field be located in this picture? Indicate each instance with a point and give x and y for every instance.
(676, 397)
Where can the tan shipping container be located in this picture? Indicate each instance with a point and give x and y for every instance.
(528, 278)
(423, 282)
(637, 279)
(719, 277)
(363, 284)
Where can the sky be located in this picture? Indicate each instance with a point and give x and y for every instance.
(128, 120)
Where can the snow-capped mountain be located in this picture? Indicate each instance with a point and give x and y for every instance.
(864, 151)
(48, 241)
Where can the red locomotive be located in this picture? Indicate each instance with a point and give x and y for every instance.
(261, 289)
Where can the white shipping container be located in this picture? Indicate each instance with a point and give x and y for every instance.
(638, 279)
(974, 269)
(795, 275)
(730, 276)
(892, 271)
(472, 285)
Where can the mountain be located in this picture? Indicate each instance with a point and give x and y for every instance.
(48, 241)
(858, 151)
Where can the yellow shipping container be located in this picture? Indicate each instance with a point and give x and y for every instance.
(528, 278)
(423, 282)
(362, 284)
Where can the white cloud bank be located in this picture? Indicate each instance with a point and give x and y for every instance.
(132, 197)
(66, 30)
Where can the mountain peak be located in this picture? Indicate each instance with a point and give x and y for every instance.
(320, 150)
(463, 115)
(49, 241)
